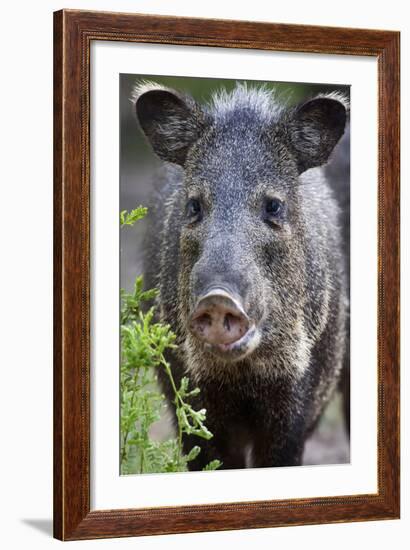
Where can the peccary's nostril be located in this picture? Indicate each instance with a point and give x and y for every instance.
(202, 322)
(228, 322)
(219, 319)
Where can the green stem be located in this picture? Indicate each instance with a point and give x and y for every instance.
(179, 403)
(126, 433)
(142, 459)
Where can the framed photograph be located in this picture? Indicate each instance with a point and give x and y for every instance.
(226, 275)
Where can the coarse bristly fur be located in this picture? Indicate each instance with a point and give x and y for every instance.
(231, 156)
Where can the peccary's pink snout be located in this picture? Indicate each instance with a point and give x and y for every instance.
(219, 319)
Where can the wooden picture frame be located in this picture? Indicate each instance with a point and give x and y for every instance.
(73, 33)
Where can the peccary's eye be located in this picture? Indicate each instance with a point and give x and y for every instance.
(273, 208)
(193, 209)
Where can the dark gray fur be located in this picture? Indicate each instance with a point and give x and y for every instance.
(292, 275)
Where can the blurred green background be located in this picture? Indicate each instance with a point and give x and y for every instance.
(138, 169)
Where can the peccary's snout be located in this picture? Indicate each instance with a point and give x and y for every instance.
(219, 319)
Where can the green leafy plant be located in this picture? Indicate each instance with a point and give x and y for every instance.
(129, 218)
(143, 347)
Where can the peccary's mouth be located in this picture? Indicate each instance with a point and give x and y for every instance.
(236, 350)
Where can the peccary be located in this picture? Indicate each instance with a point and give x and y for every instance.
(244, 244)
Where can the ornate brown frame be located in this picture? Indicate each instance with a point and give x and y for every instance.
(73, 33)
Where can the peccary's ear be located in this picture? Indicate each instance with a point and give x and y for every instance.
(314, 129)
(171, 121)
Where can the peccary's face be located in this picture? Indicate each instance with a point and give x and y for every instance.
(236, 242)
(241, 244)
